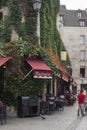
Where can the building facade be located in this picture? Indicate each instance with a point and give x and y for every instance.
(72, 26)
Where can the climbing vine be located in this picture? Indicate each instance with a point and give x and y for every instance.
(23, 18)
(48, 23)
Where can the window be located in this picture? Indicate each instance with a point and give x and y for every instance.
(82, 72)
(82, 39)
(82, 23)
(59, 29)
(82, 55)
(79, 14)
(61, 18)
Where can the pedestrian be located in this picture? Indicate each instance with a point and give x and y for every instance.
(81, 102)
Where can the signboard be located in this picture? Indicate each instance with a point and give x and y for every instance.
(42, 74)
(63, 55)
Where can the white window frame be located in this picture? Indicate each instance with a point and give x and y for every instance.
(82, 23)
(79, 14)
(82, 39)
(61, 18)
(82, 55)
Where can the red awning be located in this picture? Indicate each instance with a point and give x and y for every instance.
(64, 77)
(40, 69)
(3, 60)
(55, 58)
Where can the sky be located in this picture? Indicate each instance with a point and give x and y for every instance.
(74, 4)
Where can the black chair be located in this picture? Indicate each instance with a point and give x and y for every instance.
(44, 107)
(52, 107)
(3, 115)
(60, 104)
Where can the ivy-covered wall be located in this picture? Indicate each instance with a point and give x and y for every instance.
(27, 30)
(27, 44)
(48, 23)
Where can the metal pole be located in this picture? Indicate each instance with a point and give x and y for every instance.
(51, 86)
(38, 26)
(27, 74)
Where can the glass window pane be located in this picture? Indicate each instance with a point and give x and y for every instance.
(82, 72)
(82, 55)
(82, 39)
(82, 23)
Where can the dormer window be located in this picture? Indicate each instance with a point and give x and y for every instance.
(79, 14)
(61, 18)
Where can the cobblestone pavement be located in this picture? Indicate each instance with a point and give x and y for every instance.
(66, 120)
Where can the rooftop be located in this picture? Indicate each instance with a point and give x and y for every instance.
(73, 17)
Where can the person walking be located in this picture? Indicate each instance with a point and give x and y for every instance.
(81, 102)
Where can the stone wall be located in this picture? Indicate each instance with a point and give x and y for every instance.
(71, 39)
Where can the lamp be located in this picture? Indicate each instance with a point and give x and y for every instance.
(63, 55)
(37, 6)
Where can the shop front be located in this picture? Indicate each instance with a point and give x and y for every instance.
(41, 70)
(3, 61)
(61, 80)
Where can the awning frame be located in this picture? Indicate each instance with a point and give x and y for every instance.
(28, 74)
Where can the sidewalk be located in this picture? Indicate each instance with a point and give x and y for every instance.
(57, 121)
(83, 124)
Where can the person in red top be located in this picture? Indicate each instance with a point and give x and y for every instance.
(81, 102)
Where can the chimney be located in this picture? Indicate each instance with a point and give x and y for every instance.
(86, 10)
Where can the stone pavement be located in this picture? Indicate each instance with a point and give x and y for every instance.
(66, 120)
(83, 124)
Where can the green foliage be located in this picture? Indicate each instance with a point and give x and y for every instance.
(31, 22)
(14, 83)
(6, 31)
(27, 45)
(3, 2)
(1, 50)
(45, 56)
(48, 23)
(1, 25)
(14, 13)
(20, 48)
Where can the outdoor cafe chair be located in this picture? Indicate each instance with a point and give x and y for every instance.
(3, 115)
